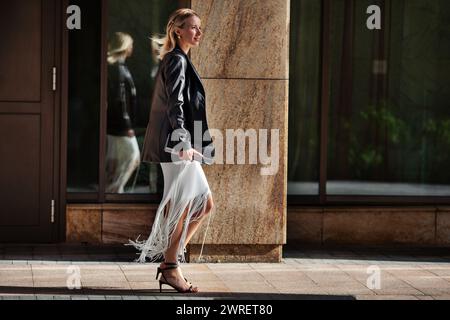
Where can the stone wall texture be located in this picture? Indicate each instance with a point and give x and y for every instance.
(243, 61)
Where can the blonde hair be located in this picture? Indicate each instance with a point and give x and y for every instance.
(167, 43)
(118, 46)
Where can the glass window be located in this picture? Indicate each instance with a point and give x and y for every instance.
(129, 93)
(304, 104)
(389, 121)
(132, 69)
(84, 100)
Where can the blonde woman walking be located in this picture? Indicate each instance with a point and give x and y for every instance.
(178, 105)
(123, 156)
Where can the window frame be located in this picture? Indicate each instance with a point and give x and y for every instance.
(323, 199)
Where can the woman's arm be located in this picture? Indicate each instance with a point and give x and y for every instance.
(175, 82)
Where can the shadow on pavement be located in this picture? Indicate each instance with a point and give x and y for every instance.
(125, 254)
(68, 252)
(60, 291)
(399, 254)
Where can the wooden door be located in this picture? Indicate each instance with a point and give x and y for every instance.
(27, 103)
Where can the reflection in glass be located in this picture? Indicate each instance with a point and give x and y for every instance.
(139, 19)
(389, 119)
(304, 116)
(122, 150)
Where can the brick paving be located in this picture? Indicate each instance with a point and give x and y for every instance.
(109, 273)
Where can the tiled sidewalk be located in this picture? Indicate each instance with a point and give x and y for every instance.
(44, 272)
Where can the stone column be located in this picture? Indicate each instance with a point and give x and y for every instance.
(244, 63)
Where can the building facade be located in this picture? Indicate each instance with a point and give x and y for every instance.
(350, 124)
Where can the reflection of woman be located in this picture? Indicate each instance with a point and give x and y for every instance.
(178, 100)
(123, 156)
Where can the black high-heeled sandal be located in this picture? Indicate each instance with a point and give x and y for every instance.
(169, 267)
(159, 270)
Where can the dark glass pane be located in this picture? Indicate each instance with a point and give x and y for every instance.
(84, 100)
(138, 19)
(390, 99)
(304, 103)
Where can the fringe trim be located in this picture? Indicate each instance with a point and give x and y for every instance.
(167, 217)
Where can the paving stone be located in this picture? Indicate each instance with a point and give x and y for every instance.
(45, 297)
(424, 297)
(130, 297)
(441, 297)
(113, 297)
(385, 297)
(97, 297)
(79, 298)
(147, 298)
(11, 297)
(61, 297)
(303, 274)
(165, 298)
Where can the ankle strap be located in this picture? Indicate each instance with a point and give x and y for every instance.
(171, 263)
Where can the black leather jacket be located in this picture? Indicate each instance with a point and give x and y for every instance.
(121, 100)
(179, 100)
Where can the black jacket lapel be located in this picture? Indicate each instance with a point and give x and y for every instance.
(197, 76)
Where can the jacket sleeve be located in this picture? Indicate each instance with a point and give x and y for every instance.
(175, 82)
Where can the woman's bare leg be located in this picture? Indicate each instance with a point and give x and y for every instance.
(193, 226)
(171, 254)
(175, 276)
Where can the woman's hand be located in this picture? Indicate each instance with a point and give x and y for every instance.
(189, 154)
(130, 133)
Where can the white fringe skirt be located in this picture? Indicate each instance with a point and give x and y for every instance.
(185, 188)
(122, 159)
